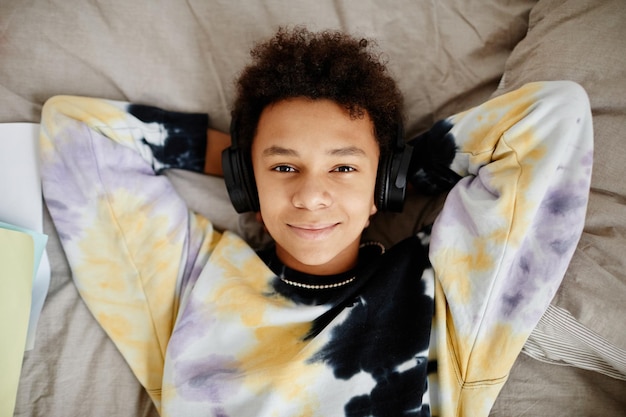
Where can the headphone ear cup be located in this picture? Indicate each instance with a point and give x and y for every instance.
(382, 183)
(391, 181)
(239, 179)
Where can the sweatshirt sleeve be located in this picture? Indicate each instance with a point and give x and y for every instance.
(131, 242)
(507, 232)
(164, 139)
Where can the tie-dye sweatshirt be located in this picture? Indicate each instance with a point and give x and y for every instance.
(209, 327)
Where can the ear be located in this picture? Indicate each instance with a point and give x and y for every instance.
(373, 211)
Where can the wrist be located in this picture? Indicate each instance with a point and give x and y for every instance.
(216, 142)
(183, 140)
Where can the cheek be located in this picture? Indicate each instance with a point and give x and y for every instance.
(266, 189)
(273, 200)
(360, 201)
(269, 203)
(369, 189)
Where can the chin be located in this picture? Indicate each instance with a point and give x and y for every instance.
(318, 261)
(313, 259)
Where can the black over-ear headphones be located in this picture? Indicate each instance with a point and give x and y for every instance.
(391, 179)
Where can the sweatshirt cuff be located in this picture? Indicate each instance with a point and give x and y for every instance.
(183, 141)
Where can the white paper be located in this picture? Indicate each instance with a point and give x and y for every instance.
(21, 201)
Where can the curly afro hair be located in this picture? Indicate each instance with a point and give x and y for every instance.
(326, 65)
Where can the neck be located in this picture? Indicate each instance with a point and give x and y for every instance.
(342, 262)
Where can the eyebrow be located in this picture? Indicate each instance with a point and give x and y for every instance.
(346, 151)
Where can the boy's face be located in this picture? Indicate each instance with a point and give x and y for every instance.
(315, 170)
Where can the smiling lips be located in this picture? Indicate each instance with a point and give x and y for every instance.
(313, 231)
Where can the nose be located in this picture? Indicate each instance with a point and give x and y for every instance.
(311, 193)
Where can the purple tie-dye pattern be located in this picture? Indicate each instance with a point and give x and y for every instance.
(59, 180)
(565, 201)
(194, 324)
(544, 254)
(546, 250)
(211, 379)
(522, 285)
(587, 160)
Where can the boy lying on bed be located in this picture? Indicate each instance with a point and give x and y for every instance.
(320, 324)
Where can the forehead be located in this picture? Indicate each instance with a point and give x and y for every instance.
(303, 121)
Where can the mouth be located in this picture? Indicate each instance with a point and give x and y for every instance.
(313, 231)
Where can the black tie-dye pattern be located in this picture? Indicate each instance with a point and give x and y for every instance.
(433, 152)
(386, 332)
(185, 145)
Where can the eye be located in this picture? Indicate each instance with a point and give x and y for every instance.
(344, 168)
(283, 168)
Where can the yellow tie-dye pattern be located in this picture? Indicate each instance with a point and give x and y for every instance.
(46, 145)
(148, 298)
(96, 113)
(211, 238)
(235, 297)
(307, 411)
(467, 393)
(499, 341)
(496, 116)
(118, 326)
(244, 293)
(497, 150)
(276, 346)
(460, 263)
(280, 360)
(522, 205)
(468, 390)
